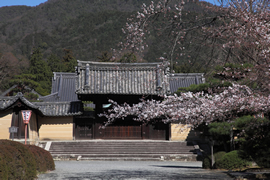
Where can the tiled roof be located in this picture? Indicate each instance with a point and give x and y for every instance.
(45, 108)
(63, 88)
(8, 101)
(60, 108)
(121, 78)
(185, 80)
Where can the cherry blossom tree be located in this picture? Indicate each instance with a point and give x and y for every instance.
(194, 108)
(244, 36)
(237, 31)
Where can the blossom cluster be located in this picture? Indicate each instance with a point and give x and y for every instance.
(194, 108)
(245, 28)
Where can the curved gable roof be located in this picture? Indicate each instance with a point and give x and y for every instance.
(121, 78)
(8, 101)
(45, 108)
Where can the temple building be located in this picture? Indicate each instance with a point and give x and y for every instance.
(71, 111)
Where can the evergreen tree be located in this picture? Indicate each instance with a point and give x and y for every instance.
(128, 58)
(38, 76)
(26, 81)
(69, 61)
(39, 67)
(105, 57)
(54, 62)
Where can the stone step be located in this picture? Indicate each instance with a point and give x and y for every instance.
(123, 150)
(117, 144)
(119, 159)
(124, 153)
(132, 157)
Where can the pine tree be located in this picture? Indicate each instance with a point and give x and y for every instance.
(69, 61)
(54, 62)
(39, 67)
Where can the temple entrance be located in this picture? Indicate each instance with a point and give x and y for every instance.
(123, 131)
(83, 129)
(90, 128)
(159, 131)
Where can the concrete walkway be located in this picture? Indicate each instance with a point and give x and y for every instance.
(139, 170)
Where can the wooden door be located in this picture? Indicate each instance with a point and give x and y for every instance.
(123, 129)
(159, 131)
(83, 129)
(123, 132)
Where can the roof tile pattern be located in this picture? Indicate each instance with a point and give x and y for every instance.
(185, 80)
(7, 101)
(45, 108)
(121, 78)
(63, 88)
(60, 108)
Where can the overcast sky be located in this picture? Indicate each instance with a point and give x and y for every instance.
(36, 2)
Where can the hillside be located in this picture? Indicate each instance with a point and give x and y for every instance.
(59, 24)
(88, 28)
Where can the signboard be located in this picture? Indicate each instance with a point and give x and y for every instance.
(26, 115)
(13, 129)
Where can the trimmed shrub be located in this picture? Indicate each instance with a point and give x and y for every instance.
(232, 161)
(3, 168)
(218, 156)
(206, 163)
(207, 159)
(254, 139)
(43, 159)
(19, 160)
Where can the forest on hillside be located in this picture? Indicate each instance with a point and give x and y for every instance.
(87, 29)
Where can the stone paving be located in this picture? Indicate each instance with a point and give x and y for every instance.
(135, 170)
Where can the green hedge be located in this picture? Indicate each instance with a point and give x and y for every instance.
(232, 161)
(207, 160)
(43, 159)
(18, 161)
(3, 168)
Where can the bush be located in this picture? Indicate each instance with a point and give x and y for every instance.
(218, 156)
(206, 163)
(232, 161)
(207, 160)
(43, 159)
(20, 162)
(3, 168)
(254, 139)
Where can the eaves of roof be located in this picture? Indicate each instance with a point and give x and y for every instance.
(60, 108)
(45, 108)
(6, 102)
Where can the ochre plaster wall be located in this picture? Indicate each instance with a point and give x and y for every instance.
(179, 132)
(32, 129)
(55, 128)
(5, 124)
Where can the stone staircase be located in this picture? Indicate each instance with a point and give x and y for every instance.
(122, 150)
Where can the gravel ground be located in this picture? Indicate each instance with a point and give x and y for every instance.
(135, 170)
